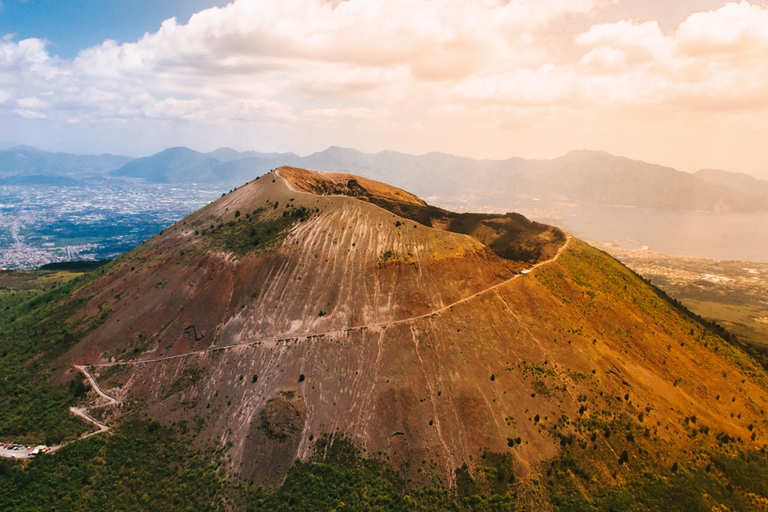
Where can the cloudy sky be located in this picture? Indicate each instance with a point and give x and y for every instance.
(681, 83)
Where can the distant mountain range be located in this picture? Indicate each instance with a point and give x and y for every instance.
(582, 177)
(28, 165)
(224, 166)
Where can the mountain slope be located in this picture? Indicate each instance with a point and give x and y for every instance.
(25, 161)
(740, 182)
(585, 177)
(223, 167)
(175, 165)
(300, 308)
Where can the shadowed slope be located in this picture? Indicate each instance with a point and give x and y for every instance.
(511, 236)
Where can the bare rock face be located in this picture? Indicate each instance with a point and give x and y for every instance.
(310, 303)
(273, 439)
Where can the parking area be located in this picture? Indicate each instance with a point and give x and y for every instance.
(19, 451)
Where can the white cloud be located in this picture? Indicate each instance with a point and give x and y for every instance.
(630, 37)
(359, 67)
(29, 114)
(299, 53)
(604, 59)
(739, 30)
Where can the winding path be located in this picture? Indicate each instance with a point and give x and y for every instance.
(77, 411)
(112, 400)
(83, 368)
(30, 452)
(382, 325)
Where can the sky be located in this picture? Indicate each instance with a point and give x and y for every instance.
(681, 83)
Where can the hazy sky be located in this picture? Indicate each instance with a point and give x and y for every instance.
(681, 83)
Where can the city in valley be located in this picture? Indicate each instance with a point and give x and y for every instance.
(44, 224)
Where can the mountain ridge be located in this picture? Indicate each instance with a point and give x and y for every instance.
(580, 176)
(428, 345)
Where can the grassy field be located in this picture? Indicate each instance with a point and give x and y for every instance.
(17, 286)
(732, 293)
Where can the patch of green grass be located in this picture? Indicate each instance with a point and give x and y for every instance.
(648, 475)
(537, 370)
(19, 286)
(256, 232)
(748, 470)
(685, 490)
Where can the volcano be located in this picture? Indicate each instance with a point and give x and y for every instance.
(307, 305)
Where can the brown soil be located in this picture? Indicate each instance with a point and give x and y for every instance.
(416, 341)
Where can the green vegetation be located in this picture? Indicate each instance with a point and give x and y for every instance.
(610, 463)
(390, 256)
(648, 475)
(536, 370)
(747, 471)
(141, 466)
(685, 490)
(340, 476)
(18, 286)
(32, 335)
(256, 231)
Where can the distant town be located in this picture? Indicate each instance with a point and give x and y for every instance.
(45, 224)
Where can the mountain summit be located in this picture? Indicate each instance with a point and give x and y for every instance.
(306, 306)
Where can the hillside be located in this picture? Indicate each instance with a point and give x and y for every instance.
(24, 165)
(582, 177)
(309, 315)
(740, 182)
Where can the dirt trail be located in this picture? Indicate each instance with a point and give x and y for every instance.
(82, 369)
(77, 411)
(83, 413)
(28, 453)
(381, 325)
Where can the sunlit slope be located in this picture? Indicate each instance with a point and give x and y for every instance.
(298, 315)
(337, 183)
(511, 236)
(320, 264)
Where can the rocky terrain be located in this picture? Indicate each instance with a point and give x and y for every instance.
(417, 342)
(475, 353)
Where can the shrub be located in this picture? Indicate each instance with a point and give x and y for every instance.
(624, 457)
